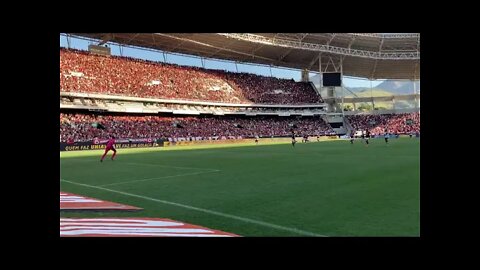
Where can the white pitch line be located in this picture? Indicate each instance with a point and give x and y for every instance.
(247, 220)
(154, 178)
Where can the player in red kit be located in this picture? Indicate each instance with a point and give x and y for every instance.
(110, 146)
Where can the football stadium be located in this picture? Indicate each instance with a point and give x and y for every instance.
(239, 134)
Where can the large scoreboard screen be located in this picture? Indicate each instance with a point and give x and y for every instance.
(332, 79)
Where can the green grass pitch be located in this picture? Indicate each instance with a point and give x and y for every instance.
(315, 189)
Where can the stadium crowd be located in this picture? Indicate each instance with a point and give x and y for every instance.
(80, 127)
(391, 123)
(81, 71)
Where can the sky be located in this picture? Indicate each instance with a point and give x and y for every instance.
(212, 64)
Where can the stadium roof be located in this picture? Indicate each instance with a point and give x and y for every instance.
(366, 55)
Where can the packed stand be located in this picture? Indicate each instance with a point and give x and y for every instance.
(379, 124)
(80, 127)
(81, 71)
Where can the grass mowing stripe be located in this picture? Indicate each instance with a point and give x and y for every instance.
(151, 164)
(247, 220)
(167, 166)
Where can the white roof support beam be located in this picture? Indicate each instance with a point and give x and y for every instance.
(285, 54)
(258, 48)
(325, 48)
(319, 55)
(132, 38)
(313, 61)
(290, 50)
(303, 36)
(178, 46)
(335, 67)
(215, 47)
(372, 75)
(377, 35)
(219, 50)
(415, 72)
